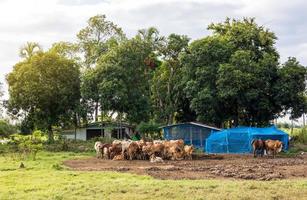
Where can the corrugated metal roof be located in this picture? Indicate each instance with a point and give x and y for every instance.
(193, 123)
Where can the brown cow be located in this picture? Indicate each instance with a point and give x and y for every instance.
(273, 146)
(258, 147)
(188, 150)
(157, 149)
(115, 149)
(176, 152)
(106, 151)
(174, 149)
(133, 150)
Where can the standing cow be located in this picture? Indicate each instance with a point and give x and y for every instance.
(258, 147)
(99, 151)
(273, 147)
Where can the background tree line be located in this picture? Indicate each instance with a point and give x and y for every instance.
(231, 77)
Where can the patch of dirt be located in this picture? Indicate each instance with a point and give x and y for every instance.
(204, 167)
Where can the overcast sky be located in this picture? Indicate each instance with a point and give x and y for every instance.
(49, 21)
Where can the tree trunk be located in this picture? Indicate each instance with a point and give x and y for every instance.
(170, 118)
(50, 134)
(96, 111)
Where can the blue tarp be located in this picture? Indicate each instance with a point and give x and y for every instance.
(238, 140)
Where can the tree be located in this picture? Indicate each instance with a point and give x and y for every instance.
(47, 87)
(166, 91)
(291, 87)
(6, 128)
(231, 74)
(29, 49)
(95, 40)
(67, 49)
(124, 76)
(97, 37)
(200, 67)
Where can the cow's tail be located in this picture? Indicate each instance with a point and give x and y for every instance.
(252, 142)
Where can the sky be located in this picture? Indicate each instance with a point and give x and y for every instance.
(49, 21)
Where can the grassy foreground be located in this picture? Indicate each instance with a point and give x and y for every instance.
(46, 178)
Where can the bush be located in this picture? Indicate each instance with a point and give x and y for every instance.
(300, 135)
(149, 130)
(27, 145)
(6, 128)
(77, 146)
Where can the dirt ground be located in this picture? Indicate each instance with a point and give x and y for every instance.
(204, 167)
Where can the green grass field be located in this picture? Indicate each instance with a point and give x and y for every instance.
(46, 178)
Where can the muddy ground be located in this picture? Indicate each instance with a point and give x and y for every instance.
(204, 167)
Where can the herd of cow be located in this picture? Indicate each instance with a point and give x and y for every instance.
(159, 150)
(266, 146)
(155, 151)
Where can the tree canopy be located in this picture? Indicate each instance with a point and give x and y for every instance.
(230, 77)
(234, 77)
(46, 87)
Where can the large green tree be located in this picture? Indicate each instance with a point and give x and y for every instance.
(45, 87)
(95, 40)
(166, 90)
(124, 76)
(291, 87)
(234, 76)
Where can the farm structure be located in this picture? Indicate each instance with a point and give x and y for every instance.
(190, 132)
(100, 129)
(238, 140)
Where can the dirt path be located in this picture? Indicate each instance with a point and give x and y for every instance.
(222, 166)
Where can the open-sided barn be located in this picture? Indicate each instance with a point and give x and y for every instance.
(99, 129)
(191, 132)
(238, 140)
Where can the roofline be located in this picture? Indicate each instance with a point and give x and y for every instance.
(106, 123)
(193, 123)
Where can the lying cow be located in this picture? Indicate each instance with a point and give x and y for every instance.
(155, 159)
(258, 147)
(273, 147)
(98, 148)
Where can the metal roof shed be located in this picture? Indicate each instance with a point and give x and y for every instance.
(191, 132)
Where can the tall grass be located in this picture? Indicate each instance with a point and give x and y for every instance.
(299, 135)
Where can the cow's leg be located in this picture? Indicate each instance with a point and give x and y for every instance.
(254, 153)
(97, 154)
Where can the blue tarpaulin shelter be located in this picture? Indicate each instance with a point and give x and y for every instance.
(238, 140)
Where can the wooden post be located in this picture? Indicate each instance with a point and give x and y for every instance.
(191, 138)
(201, 137)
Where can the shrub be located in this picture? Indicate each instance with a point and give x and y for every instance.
(6, 128)
(27, 145)
(150, 130)
(76, 145)
(301, 135)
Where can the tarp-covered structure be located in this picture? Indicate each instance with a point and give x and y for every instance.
(238, 140)
(191, 132)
